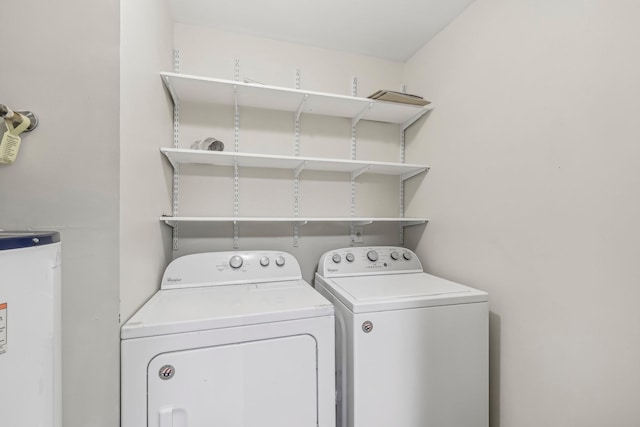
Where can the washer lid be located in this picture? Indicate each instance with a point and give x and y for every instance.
(27, 239)
(172, 311)
(400, 291)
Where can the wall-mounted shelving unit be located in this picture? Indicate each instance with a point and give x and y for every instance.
(203, 90)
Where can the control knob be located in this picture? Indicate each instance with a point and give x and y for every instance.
(394, 255)
(372, 255)
(407, 256)
(236, 261)
(264, 261)
(349, 257)
(279, 260)
(336, 258)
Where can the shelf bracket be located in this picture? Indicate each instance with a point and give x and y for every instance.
(412, 223)
(408, 175)
(361, 114)
(235, 99)
(413, 119)
(171, 223)
(355, 174)
(172, 92)
(296, 231)
(299, 169)
(174, 163)
(301, 106)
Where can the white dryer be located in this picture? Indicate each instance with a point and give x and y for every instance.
(234, 339)
(411, 348)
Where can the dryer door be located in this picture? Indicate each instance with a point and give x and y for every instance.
(252, 384)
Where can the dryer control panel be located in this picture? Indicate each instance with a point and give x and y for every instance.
(368, 260)
(230, 268)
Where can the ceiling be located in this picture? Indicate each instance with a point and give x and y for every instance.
(388, 29)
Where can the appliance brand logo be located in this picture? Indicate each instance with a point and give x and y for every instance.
(166, 372)
(174, 279)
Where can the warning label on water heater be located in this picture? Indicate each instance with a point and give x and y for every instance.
(3, 327)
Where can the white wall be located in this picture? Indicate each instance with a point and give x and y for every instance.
(146, 118)
(60, 60)
(534, 147)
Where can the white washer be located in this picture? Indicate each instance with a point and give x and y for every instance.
(411, 348)
(234, 339)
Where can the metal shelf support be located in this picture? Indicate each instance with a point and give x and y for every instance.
(414, 119)
(301, 106)
(360, 223)
(236, 169)
(176, 141)
(361, 114)
(354, 125)
(298, 170)
(408, 175)
(357, 173)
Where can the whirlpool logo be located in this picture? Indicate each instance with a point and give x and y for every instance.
(166, 372)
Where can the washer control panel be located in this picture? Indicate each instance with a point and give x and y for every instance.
(228, 268)
(356, 261)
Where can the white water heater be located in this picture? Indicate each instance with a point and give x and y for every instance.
(30, 368)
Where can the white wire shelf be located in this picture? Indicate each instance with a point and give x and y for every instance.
(179, 156)
(357, 221)
(205, 90)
